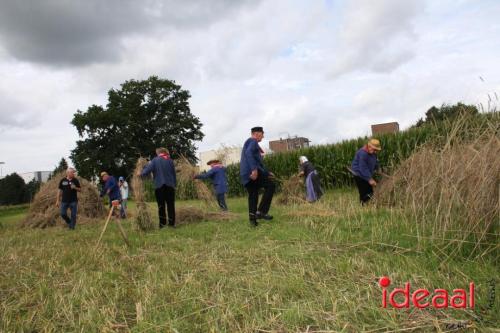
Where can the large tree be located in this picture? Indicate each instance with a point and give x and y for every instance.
(138, 118)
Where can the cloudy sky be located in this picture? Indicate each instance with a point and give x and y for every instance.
(323, 69)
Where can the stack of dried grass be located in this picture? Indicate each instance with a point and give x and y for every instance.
(143, 218)
(44, 213)
(453, 189)
(292, 191)
(186, 173)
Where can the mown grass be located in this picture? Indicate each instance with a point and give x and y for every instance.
(296, 273)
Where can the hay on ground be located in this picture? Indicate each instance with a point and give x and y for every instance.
(292, 191)
(189, 214)
(44, 213)
(143, 218)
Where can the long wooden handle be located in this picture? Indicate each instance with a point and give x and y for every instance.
(105, 226)
(122, 232)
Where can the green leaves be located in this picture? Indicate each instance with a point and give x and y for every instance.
(139, 117)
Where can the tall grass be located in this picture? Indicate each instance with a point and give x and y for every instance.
(451, 187)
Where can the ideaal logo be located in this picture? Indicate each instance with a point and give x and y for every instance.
(423, 298)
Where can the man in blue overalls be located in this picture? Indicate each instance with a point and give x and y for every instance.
(217, 174)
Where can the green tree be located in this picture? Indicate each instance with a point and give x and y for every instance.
(138, 118)
(12, 190)
(446, 112)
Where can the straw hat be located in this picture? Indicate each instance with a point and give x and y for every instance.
(375, 144)
(213, 161)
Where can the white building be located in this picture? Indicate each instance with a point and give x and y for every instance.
(228, 155)
(41, 176)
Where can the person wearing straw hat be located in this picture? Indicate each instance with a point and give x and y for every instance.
(363, 166)
(163, 170)
(217, 174)
(254, 176)
(311, 179)
(110, 188)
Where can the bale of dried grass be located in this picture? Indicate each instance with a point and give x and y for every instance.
(143, 219)
(186, 173)
(190, 214)
(44, 213)
(292, 191)
(453, 189)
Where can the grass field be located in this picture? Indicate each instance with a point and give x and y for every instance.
(312, 271)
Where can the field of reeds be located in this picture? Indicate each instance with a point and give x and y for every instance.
(314, 268)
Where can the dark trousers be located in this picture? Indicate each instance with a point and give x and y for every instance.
(73, 206)
(364, 188)
(166, 194)
(253, 188)
(221, 200)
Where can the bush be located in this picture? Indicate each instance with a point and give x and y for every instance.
(12, 190)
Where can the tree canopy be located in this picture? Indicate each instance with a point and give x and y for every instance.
(138, 118)
(446, 112)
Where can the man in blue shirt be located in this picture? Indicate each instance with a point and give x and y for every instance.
(363, 167)
(165, 180)
(110, 187)
(254, 175)
(217, 174)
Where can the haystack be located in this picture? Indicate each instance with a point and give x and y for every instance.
(187, 172)
(44, 213)
(454, 189)
(292, 191)
(143, 218)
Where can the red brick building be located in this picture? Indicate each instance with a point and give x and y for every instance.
(288, 144)
(385, 128)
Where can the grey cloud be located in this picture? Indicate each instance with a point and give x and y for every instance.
(376, 35)
(13, 114)
(72, 33)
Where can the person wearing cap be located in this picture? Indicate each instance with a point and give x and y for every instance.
(122, 183)
(67, 197)
(363, 166)
(311, 178)
(110, 188)
(217, 174)
(254, 176)
(163, 170)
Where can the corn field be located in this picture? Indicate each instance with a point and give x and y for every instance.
(332, 161)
